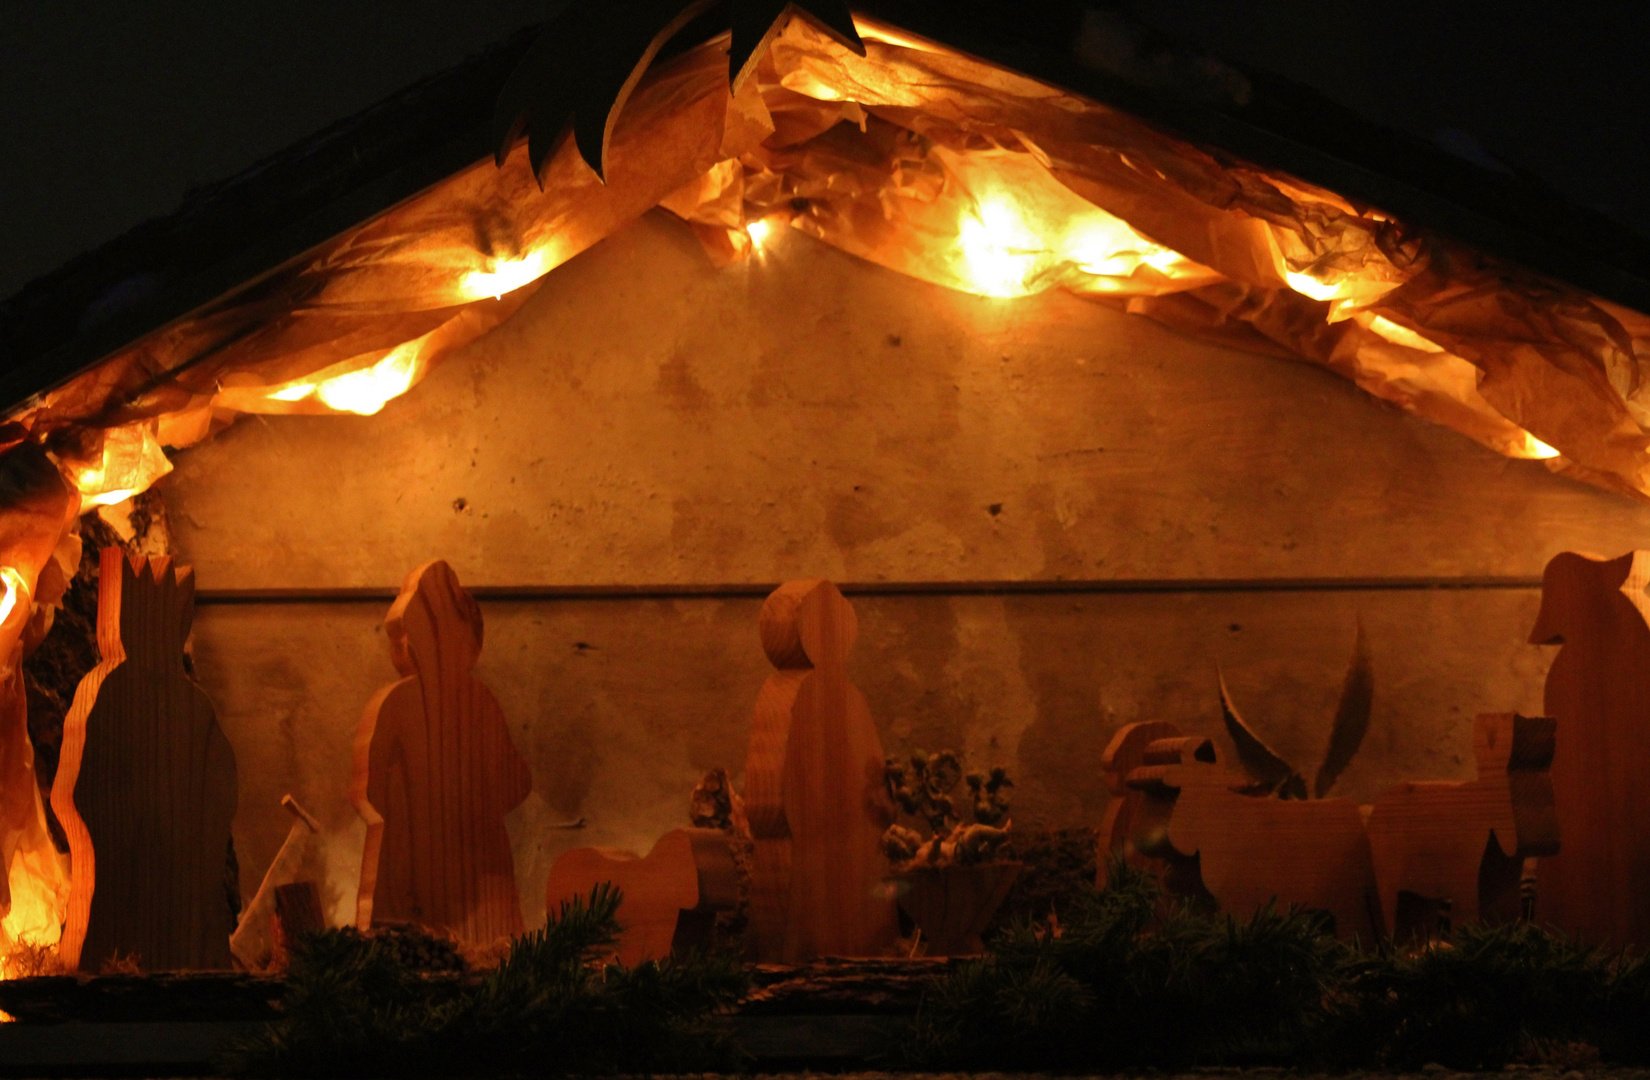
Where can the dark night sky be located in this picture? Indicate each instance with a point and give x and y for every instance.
(110, 109)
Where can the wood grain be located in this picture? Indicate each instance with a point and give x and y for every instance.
(146, 785)
(1598, 692)
(1125, 753)
(813, 789)
(688, 871)
(434, 774)
(1252, 851)
(1464, 843)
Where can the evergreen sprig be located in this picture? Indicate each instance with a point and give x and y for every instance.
(354, 1007)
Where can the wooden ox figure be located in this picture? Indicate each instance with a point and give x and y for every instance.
(1245, 851)
(1598, 693)
(1461, 846)
(670, 896)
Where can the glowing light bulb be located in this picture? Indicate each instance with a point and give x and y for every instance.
(367, 391)
(507, 275)
(1536, 449)
(1307, 285)
(14, 586)
(998, 249)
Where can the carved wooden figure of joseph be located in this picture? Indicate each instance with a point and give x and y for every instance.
(435, 773)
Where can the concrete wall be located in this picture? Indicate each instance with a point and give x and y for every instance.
(647, 419)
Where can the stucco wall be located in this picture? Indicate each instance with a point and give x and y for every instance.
(647, 419)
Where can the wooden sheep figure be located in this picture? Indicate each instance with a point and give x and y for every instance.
(670, 896)
(146, 786)
(1245, 851)
(1598, 694)
(814, 790)
(435, 773)
(1464, 843)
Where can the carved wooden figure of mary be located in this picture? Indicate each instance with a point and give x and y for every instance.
(435, 773)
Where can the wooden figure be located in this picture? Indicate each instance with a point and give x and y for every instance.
(1463, 844)
(669, 895)
(435, 772)
(1125, 753)
(1244, 850)
(145, 785)
(253, 941)
(1598, 693)
(814, 791)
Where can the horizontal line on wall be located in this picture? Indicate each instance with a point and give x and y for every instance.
(507, 593)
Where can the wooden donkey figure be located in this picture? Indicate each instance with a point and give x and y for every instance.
(814, 789)
(1245, 851)
(435, 773)
(146, 785)
(1464, 843)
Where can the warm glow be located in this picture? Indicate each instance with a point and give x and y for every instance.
(1000, 252)
(369, 390)
(14, 585)
(759, 231)
(132, 459)
(507, 275)
(296, 392)
(1307, 285)
(1537, 450)
(1402, 335)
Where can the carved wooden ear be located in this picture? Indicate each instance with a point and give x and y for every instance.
(1127, 750)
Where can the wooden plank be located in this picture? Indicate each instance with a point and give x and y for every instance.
(813, 789)
(739, 590)
(435, 772)
(1462, 845)
(146, 785)
(1598, 691)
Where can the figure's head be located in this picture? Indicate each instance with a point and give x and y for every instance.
(145, 606)
(433, 618)
(807, 624)
(1576, 589)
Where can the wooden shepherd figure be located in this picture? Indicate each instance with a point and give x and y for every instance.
(814, 790)
(1598, 693)
(146, 785)
(435, 773)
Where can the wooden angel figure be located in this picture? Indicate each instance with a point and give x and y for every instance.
(1598, 694)
(434, 774)
(814, 790)
(146, 785)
